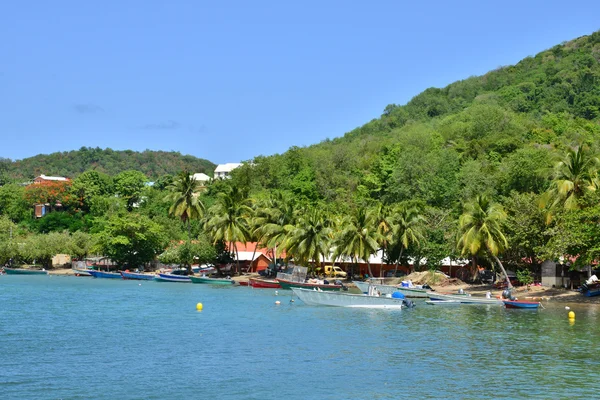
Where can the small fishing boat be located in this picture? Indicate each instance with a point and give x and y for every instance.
(105, 275)
(521, 304)
(389, 289)
(25, 271)
(443, 302)
(264, 283)
(172, 278)
(137, 276)
(287, 284)
(313, 297)
(212, 281)
(81, 272)
(464, 299)
(243, 283)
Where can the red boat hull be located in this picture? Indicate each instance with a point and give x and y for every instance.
(263, 283)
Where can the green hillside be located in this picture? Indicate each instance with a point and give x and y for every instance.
(494, 133)
(72, 163)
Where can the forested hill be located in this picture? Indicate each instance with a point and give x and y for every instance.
(72, 163)
(494, 133)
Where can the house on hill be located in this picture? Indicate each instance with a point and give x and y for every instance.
(43, 178)
(224, 170)
(201, 178)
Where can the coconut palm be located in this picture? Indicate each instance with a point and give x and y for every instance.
(574, 175)
(407, 225)
(384, 229)
(481, 227)
(272, 216)
(229, 219)
(359, 236)
(310, 237)
(183, 193)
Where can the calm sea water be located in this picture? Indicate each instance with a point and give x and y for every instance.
(85, 338)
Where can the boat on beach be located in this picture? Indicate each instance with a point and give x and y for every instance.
(310, 284)
(81, 272)
(389, 289)
(137, 276)
(105, 275)
(164, 277)
(313, 297)
(212, 281)
(264, 283)
(463, 299)
(531, 305)
(24, 271)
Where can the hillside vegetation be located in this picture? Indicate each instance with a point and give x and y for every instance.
(493, 133)
(111, 162)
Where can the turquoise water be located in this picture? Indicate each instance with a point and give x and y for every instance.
(85, 338)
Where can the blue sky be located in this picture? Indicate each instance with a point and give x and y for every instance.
(230, 80)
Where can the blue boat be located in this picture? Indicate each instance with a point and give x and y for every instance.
(137, 276)
(108, 275)
(531, 305)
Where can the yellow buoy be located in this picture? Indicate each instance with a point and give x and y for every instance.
(199, 306)
(571, 315)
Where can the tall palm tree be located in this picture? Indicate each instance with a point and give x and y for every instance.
(229, 219)
(384, 229)
(272, 216)
(183, 193)
(574, 175)
(310, 237)
(407, 224)
(359, 236)
(481, 227)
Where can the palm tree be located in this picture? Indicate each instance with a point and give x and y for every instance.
(310, 238)
(574, 175)
(481, 227)
(228, 219)
(407, 225)
(359, 236)
(271, 219)
(384, 230)
(184, 197)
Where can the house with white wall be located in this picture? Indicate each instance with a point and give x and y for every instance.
(224, 170)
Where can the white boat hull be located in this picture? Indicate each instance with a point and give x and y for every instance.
(389, 289)
(341, 299)
(464, 299)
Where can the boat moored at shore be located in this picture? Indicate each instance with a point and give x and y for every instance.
(212, 281)
(313, 297)
(24, 271)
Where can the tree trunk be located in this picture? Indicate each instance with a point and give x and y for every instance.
(398, 261)
(474, 269)
(369, 266)
(509, 285)
(237, 258)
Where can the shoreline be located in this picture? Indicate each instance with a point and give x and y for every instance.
(534, 293)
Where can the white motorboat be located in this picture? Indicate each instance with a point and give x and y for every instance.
(389, 289)
(343, 299)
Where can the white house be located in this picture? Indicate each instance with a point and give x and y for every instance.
(223, 170)
(201, 178)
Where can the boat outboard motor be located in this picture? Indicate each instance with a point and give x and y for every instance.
(507, 294)
(408, 303)
(338, 282)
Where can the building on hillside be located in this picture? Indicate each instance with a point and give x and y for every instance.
(201, 178)
(224, 170)
(43, 178)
